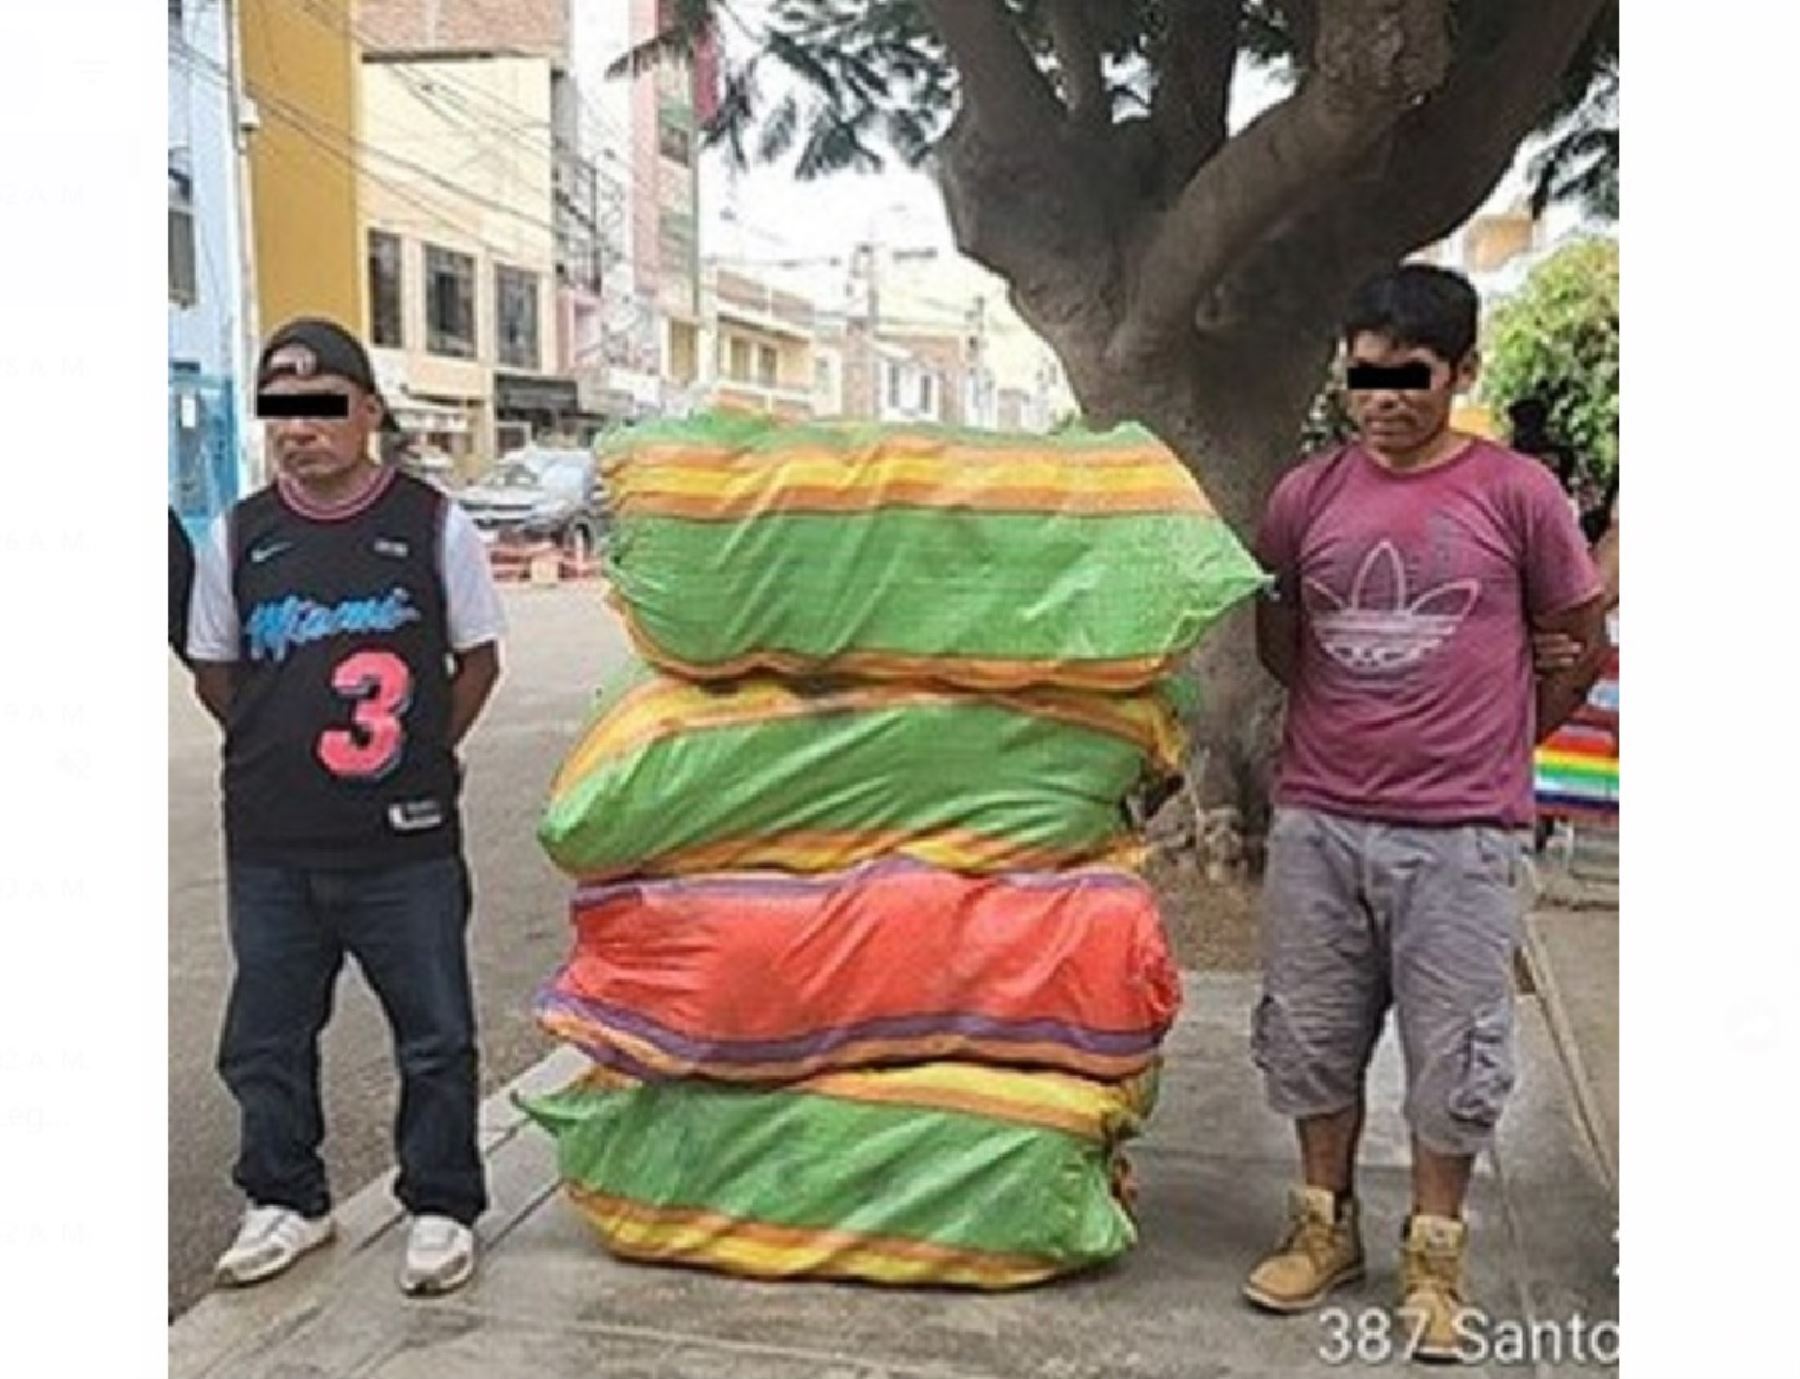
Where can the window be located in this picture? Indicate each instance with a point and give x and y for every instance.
(927, 388)
(766, 365)
(676, 143)
(739, 368)
(387, 315)
(449, 303)
(183, 277)
(675, 240)
(893, 385)
(516, 298)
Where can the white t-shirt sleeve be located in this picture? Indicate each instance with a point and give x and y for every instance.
(472, 600)
(212, 612)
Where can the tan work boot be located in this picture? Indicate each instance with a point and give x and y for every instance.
(1319, 1252)
(1431, 1286)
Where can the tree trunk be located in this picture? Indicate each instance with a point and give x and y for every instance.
(1232, 407)
(1207, 309)
(1233, 411)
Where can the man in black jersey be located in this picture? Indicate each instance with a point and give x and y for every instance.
(345, 633)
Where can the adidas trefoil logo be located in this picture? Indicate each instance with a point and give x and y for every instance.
(1378, 630)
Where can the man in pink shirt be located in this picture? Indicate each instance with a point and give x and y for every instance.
(1412, 569)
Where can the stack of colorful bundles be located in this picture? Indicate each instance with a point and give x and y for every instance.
(868, 985)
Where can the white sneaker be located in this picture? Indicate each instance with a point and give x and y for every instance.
(268, 1242)
(440, 1256)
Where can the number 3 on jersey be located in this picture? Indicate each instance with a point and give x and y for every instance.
(380, 685)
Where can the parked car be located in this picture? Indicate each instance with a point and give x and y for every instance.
(433, 466)
(540, 494)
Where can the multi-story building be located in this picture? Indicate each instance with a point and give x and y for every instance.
(615, 332)
(210, 325)
(643, 132)
(828, 366)
(300, 66)
(953, 313)
(759, 354)
(1497, 249)
(481, 218)
(461, 253)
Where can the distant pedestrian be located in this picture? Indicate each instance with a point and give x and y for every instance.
(1597, 510)
(1412, 567)
(1531, 435)
(345, 634)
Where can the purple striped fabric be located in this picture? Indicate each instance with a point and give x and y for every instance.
(798, 1047)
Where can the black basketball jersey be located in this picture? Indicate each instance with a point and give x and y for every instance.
(337, 750)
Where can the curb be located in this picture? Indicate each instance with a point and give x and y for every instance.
(226, 1321)
(1592, 1119)
(543, 563)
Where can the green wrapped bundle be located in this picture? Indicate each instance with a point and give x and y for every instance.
(983, 560)
(672, 778)
(943, 1173)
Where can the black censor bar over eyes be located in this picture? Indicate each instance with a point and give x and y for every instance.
(302, 406)
(1407, 377)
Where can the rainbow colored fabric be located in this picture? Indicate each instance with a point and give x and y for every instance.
(971, 558)
(894, 962)
(675, 778)
(1576, 768)
(943, 1173)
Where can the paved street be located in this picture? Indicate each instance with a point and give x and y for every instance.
(562, 642)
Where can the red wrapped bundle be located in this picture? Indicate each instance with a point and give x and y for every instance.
(763, 977)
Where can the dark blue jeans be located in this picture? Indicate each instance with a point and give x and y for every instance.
(406, 926)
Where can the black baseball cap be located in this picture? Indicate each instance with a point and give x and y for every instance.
(310, 346)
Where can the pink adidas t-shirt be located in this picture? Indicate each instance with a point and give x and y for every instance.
(1413, 698)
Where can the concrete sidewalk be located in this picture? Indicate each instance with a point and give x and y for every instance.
(1572, 952)
(550, 1302)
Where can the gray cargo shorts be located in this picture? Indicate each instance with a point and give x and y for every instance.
(1358, 916)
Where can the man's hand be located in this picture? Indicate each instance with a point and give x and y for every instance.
(1278, 638)
(214, 688)
(473, 680)
(1554, 652)
(1561, 690)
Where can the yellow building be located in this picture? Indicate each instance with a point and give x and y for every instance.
(1474, 419)
(461, 252)
(300, 65)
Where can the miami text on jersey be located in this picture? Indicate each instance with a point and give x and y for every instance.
(276, 627)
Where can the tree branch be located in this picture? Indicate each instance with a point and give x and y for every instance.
(1303, 23)
(1452, 151)
(1372, 61)
(1084, 78)
(1193, 84)
(1427, 176)
(1004, 93)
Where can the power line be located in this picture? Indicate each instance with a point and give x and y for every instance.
(295, 116)
(310, 126)
(645, 182)
(470, 92)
